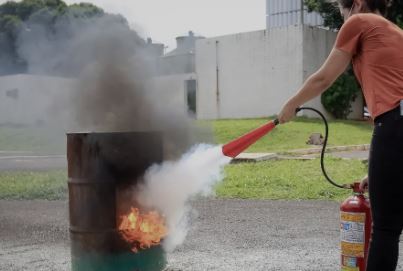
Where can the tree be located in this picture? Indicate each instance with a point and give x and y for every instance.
(337, 99)
(9, 60)
(85, 10)
(395, 12)
(329, 11)
(26, 15)
(331, 14)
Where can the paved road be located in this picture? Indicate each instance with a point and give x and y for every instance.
(32, 162)
(226, 235)
(360, 155)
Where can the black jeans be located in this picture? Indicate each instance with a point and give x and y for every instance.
(386, 191)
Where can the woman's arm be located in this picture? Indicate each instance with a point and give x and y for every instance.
(334, 66)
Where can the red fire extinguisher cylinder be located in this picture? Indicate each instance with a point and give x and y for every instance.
(355, 230)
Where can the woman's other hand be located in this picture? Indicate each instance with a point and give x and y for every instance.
(364, 184)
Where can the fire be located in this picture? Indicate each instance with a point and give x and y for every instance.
(142, 230)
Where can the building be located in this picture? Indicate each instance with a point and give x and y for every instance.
(154, 51)
(182, 59)
(250, 75)
(281, 13)
(33, 100)
(177, 81)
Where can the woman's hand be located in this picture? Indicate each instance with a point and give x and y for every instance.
(364, 184)
(287, 113)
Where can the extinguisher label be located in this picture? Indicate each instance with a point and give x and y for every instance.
(352, 230)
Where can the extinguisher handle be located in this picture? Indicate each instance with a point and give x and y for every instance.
(348, 186)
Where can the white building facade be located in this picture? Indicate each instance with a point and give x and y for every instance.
(27, 100)
(280, 13)
(251, 75)
(247, 75)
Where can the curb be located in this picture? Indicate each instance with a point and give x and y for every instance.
(27, 157)
(364, 147)
(254, 157)
(300, 154)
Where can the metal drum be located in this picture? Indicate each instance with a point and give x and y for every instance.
(100, 165)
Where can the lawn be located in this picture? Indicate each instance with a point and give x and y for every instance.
(289, 179)
(51, 185)
(32, 139)
(286, 179)
(285, 137)
(293, 135)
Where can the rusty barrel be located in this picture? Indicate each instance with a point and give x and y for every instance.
(100, 164)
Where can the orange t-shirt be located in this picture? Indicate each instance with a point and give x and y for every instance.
(376, 45)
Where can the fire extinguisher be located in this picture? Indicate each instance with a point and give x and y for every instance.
(355, 218)
(355, 230)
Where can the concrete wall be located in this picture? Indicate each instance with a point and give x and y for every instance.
(248, 75)
(171, 91)
(318, 43)
(252, 74)
(176, 64)
(280, 13)
(32, 100)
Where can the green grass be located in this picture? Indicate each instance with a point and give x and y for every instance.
(33, 139)
(285, 137)
(51, 185)
(289, 179)
(293, 135)
(285, 179)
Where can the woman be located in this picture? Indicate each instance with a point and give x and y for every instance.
(375, 47)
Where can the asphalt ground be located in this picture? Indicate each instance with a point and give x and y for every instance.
(225, 235)
(31, 162)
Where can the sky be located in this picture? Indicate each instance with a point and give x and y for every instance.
(164, 20)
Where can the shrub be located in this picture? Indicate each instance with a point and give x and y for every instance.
(338, 98)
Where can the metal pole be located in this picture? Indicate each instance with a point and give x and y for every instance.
(302, 12)
(217, 79)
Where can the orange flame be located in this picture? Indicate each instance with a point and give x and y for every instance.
(142, 230)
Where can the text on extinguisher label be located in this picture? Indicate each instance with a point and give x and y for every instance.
(352, 231)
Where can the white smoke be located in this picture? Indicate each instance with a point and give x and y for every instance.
(170, 186)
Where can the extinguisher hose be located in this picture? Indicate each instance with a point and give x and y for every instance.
(322, 154)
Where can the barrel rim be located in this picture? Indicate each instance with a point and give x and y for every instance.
(91, 181)
(114, 133)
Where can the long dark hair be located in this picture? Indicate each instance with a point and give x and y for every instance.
(373, 5)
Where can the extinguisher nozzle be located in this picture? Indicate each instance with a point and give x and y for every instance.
(235, 147)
